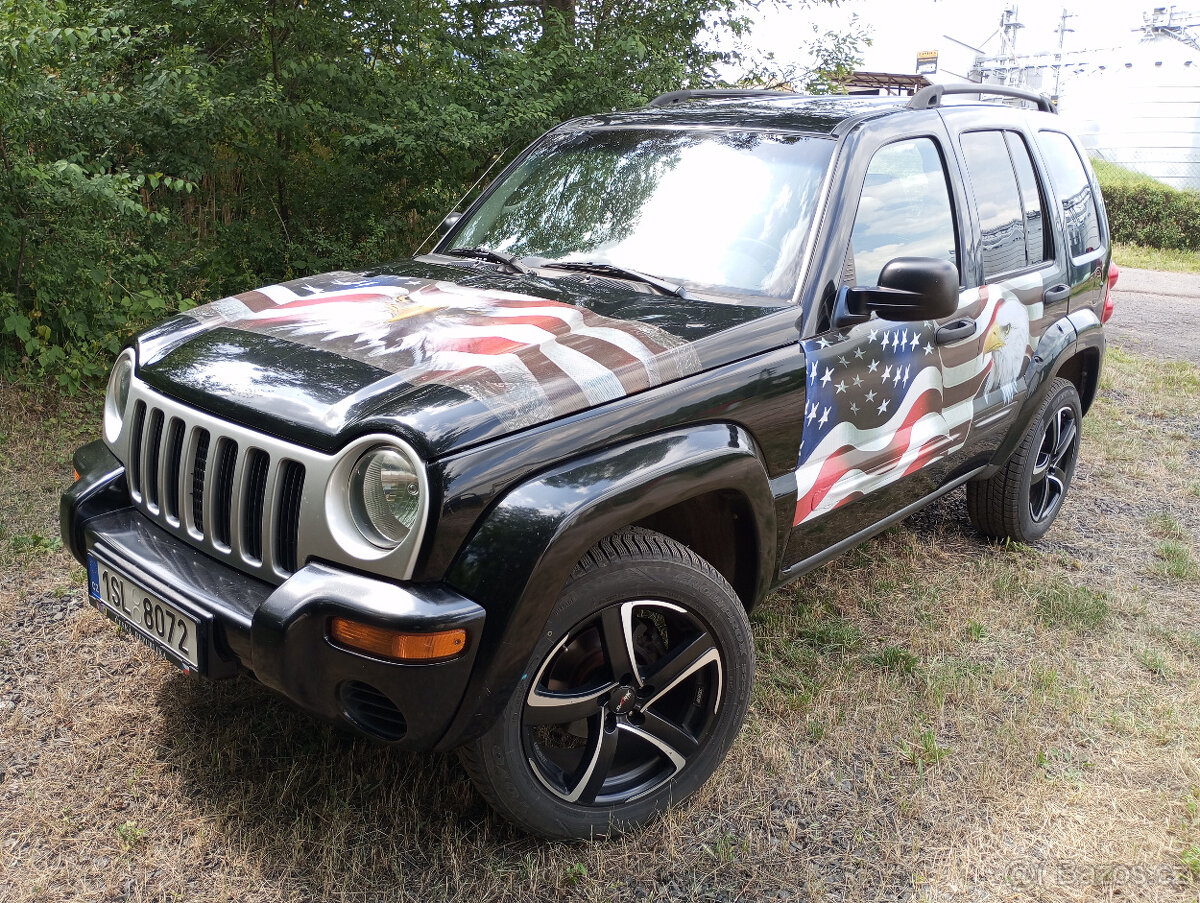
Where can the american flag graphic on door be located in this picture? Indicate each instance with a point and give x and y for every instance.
(884, 399)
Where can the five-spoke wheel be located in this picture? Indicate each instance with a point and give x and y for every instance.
(632, 698)
(1054, 463)
(622, 703)
(1022, 500)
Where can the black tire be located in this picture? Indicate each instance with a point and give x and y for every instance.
(1023, 499)
(635, 692)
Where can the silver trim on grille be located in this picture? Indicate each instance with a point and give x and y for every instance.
(266, 523)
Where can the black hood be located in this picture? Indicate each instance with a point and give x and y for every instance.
(443, 354)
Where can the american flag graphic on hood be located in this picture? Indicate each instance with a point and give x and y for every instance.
(884, 399)
(527, 359)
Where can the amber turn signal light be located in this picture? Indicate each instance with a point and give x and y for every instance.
(397, 646)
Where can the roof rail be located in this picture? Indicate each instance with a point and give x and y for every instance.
(931, 96)
(665, 100)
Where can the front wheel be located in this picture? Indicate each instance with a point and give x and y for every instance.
(1022, 500)
(637, 688)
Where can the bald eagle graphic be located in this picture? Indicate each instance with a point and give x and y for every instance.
(1006, 342)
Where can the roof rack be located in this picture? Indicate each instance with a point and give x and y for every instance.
(930, 97)
(671, 97)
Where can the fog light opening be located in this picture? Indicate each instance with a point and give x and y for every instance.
(396, 645)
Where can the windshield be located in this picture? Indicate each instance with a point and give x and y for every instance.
(718, 209)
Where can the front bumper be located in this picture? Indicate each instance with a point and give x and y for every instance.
(279, 633)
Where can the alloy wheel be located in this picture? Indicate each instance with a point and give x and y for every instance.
(622, 703)
(1053, 465)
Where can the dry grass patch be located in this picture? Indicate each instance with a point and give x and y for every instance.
(934, 718)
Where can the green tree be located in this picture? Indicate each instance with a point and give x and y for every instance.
(160, 153)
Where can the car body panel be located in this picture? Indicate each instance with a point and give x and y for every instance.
(450, 363)
(550, 411)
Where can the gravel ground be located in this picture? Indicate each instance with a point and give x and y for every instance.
(1157, 314)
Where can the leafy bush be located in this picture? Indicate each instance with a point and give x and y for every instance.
(1143, 211)
(161, 153)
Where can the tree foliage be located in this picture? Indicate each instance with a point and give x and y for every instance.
(832, 57)
(159, 153)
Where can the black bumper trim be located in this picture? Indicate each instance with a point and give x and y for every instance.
(279, 633)
(176, 571)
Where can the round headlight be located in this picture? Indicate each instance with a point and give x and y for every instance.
(117, 395)
(385, 496)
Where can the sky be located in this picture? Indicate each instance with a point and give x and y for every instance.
(900, 28)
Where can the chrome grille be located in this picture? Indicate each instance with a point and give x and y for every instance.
(257, 503)
(238, 500)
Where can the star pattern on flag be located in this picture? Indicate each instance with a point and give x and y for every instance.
(861, 377)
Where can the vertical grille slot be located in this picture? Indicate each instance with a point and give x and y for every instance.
(287, 529)
(135, 449)
(257, 465)
(174, 452)
(232, 492)
(199, 471)
(222, 491)
(153, 455)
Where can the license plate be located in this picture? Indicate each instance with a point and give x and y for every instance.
(156, 622)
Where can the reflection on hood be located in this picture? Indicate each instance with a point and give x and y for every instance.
(526, 359)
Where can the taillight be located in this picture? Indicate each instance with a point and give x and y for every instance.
(1113, 275)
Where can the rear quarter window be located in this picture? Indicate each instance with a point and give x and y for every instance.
(1073, 190)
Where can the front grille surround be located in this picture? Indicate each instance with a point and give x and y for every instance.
(258, 503)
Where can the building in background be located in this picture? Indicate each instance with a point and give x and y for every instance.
(1136, 105)
(884, 84)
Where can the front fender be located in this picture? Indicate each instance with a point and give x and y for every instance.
(520, 557)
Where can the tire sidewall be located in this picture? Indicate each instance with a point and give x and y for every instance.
(1062, 395)
(615, 581)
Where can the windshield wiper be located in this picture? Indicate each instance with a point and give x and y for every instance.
(611, 269)
(488, 254)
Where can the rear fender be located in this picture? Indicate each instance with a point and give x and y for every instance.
(520, 557)
(1060, 344)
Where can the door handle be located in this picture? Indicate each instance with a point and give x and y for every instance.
(1060, 292)
(955, 331)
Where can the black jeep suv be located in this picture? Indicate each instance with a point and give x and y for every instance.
(517, 495)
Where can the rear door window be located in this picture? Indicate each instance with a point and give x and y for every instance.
(998, 201)
(1074, 192)
(1038, 247)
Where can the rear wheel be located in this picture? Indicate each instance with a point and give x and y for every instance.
(636, 690)
(1023, 499)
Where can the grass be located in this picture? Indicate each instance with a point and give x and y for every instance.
(895, 658)
(1140, 257)
(931, 714)
(1066, 605)
(924, 752)
(1155, 662)
(1112, 172)
(1175, 560)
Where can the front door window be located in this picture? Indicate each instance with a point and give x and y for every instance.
(874, 392)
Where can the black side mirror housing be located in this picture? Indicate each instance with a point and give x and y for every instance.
(910, 288)
(449, 222)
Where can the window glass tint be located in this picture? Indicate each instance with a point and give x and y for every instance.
(725, 210)
(1037, 247)
(994, 184)
(1071, 185)
(904, 210)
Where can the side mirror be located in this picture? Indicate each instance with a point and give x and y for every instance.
(449, 222)
(910, 288)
